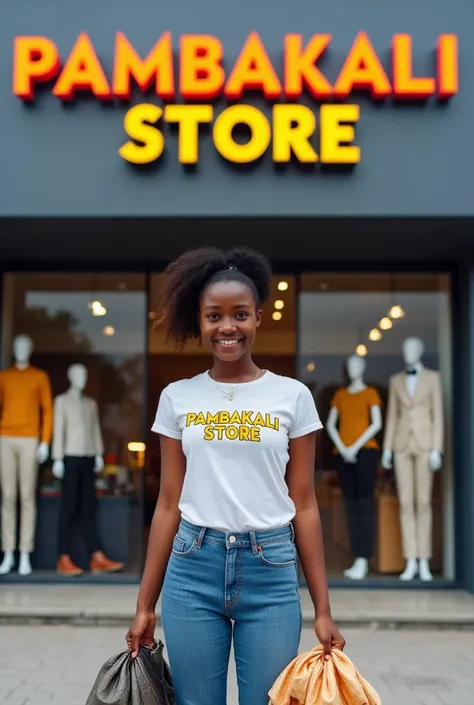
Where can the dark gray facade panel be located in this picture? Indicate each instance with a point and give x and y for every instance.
(56, 160)
(463, 377)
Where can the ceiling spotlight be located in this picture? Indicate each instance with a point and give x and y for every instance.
(385, 323)
(310, 366)
(361, 351)
(396, 312)
(277, 315)
(375, 334)
(282, 286)
(279, 304)
(98, 309)
(109, 330)
(152, 315)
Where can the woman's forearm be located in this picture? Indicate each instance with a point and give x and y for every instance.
(309, 542)
(163, 529)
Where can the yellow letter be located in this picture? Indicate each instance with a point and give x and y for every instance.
(189, 118)
(293, 126)
(333, 132)
(259, 138)
(139, 125)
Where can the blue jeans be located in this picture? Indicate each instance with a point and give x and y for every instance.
(220, 586)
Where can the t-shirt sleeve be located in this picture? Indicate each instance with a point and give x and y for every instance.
(374, 397)
(166, 421)
(306, 419)
(336, 400)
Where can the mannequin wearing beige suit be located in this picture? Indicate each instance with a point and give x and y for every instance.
(414, 436)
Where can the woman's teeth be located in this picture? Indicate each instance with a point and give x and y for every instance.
(228, 342)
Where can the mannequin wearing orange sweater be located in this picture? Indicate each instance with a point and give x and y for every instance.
(25, 434)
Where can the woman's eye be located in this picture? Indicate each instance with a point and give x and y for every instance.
(213, 316)
(242, 314)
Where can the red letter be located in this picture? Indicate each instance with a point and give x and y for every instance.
(253, 71)
(300, 69)
(35, 59)
(82, 71)
(362, 69)
(448, 71)
(157, 66)
(200, 70)
(405, 85)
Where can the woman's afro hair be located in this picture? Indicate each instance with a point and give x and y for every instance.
(186, 278)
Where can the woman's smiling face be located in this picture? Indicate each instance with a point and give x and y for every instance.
(228, 319)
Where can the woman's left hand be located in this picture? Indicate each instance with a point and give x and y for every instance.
(328, 634)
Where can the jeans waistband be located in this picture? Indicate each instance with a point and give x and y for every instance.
(233, 539)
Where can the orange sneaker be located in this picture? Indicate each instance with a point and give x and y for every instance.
(65, 566)
(101, 564)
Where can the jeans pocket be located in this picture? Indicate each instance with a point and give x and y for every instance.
(278, 555)
(183, 545)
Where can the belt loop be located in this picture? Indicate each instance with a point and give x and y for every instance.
(292, 531)
(253, 542)
(200, 538)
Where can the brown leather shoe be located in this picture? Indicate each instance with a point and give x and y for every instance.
(65, 566)
(101, 564)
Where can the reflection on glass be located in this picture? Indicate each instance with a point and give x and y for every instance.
(98, 321)
(369, 316)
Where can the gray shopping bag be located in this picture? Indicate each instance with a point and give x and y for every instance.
(144, 680)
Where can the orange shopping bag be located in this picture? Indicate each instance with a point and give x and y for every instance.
(310, 680)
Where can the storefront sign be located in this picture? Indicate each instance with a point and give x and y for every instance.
(292, 130)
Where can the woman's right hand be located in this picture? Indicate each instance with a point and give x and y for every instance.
(142, 631)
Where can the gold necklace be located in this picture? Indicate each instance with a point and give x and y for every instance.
(230, 394)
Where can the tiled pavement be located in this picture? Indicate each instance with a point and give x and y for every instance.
(47, 665)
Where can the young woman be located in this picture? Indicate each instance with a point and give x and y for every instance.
(237, 494)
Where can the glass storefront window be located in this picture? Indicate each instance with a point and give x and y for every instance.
(366, 507)
(311, 326)
(97, 321)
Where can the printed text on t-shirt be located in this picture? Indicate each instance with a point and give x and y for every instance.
(234, 426)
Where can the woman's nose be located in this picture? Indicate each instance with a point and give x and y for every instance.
(227, 325)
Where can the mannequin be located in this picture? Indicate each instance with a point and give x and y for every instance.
(25, 435)
(357, 408)
(413, 442)
(77, 454)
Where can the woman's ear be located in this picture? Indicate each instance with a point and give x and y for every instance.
(259, 316)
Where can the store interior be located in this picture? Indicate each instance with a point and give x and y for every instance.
(312, 324)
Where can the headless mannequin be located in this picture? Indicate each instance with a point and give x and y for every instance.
(349, 455)
(22, 350)
(413, 349)
(77, 453)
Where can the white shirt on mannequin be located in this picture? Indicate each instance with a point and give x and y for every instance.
(413, 379)
(76, 426)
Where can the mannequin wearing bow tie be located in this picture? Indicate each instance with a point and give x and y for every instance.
(413, 442)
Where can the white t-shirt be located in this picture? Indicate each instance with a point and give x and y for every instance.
(236, 451)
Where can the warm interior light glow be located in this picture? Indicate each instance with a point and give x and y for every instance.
(136, 447)
(279, 304)
(361, 350)
(109, 330)
(385, 323)
(310, 366)
(282, 286)
(277, 315)
(375, 334)
(396, 312)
